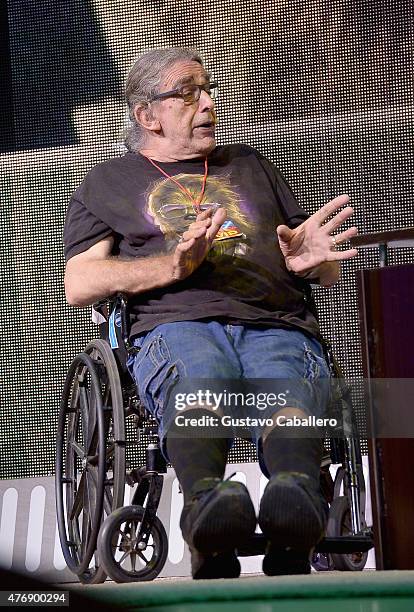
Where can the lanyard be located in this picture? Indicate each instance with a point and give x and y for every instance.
(195, 203)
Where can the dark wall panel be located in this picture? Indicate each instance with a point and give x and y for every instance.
(323, 88)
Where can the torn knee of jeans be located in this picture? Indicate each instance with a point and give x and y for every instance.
(158, 350)
(314, 365)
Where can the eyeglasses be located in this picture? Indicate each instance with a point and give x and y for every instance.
(189, 93)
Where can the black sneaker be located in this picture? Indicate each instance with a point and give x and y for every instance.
(219, 517)
(292, 517)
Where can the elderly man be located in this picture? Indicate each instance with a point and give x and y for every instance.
(216, 256)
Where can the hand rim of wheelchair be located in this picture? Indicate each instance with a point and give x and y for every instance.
(337, 523)
(108, 544)
(106, 408)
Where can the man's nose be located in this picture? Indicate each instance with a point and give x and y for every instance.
(205, 102)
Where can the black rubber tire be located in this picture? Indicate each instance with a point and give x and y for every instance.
(109, 543)
(92, 394)
(339, 524)
(81, 405)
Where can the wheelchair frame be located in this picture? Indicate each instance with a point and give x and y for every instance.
(98, 396)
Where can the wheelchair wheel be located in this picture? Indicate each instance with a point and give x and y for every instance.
(122, 556)
(90, 461)
(339, 524)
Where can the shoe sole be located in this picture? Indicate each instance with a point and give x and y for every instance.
(222, 565)
(288, 518)
(225, 523)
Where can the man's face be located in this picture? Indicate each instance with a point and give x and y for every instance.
(187, 130)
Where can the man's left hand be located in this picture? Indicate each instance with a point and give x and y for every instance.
(311, 243)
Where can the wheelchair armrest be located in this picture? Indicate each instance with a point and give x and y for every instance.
(109, 303)
(114, 306)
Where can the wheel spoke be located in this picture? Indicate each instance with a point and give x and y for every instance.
(108, 500)
(91, 485)
(78, 502)
(78, 449)
(75, 535)
(124, 556)
(133, 561)
(142, 556)
(133, 530)
(89, 503)
(91, 421)
(74, 396)
(117, 540)
(72, 514)
(85, 530)
(84, 406)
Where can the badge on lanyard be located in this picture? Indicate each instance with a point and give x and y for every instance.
(228, 230)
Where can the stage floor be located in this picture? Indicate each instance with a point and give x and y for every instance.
(368, 591)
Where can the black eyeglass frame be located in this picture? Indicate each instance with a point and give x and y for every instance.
(208, 87)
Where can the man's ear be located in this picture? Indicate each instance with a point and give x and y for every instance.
(145, 118)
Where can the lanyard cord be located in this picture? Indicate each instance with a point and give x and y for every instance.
(195, 203)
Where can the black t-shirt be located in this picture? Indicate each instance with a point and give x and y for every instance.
(243, 279)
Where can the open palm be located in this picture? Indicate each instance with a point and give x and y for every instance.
(311, 243)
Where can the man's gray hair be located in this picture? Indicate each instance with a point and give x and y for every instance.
(143, 82)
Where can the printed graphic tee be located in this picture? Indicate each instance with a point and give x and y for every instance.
(243, 280)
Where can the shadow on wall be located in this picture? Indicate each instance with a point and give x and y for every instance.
(59, 60)
(280, 60)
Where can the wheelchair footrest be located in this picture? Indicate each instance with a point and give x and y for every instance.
(346, 544)
(340, 545)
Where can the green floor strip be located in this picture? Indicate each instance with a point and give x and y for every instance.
(387, 604)
(257, 593)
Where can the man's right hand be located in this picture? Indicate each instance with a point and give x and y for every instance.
(196, 242)
(93, 274)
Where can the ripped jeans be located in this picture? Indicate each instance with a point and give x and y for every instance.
(182, 351)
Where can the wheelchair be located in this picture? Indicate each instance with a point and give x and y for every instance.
(99, 536)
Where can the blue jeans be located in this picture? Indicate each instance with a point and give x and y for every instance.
(177, 353)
